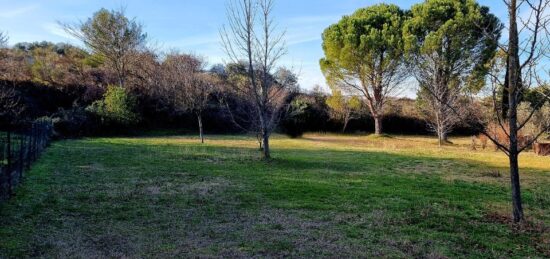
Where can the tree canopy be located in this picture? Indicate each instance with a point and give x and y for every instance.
(459, 38)
(364, 54)
(112, 36)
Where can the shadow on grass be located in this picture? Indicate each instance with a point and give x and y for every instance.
(216, 200)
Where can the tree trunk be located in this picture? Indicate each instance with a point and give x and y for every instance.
(201, 135)
(514, 88)
(517, 207)
(443, 137)
(378, 125)
(259, 139)
(266, 151)
(346, 120)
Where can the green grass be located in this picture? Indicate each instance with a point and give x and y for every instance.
(321, 196)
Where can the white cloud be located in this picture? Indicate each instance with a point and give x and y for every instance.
(304, 29)
(55, 29)
(11, 13)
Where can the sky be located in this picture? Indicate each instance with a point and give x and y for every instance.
(193, 25)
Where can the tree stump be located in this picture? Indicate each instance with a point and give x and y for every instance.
(542, 149)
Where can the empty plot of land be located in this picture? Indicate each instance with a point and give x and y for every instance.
(322, 195)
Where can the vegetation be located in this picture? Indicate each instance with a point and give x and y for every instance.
(342, 107)
(322, 195)
(186, 86)
(252, 38)
(113, 37)
(449, 44)
(317, 195)
(116, 106)
(364, 56)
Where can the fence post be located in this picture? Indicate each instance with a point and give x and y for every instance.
(31, 143)
(34, 142)
(8, 167)
(28, 148)
(21, 156)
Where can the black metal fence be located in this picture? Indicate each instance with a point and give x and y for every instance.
(18, 149)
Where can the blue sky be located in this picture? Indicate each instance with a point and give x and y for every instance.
(192, 25)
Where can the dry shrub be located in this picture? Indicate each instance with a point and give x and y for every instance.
(500, 134)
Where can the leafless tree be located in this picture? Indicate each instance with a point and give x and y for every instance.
(515, 71)
(187, 86)
(525, 52)
(436, 105)
(3, 40)
(251, 36)
(10, 106)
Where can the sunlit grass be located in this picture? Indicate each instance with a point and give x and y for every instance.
(321, 195)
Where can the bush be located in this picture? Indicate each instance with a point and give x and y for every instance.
(293, 124)
(75, 122)
(117, 106)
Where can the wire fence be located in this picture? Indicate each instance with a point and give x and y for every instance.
(18, 150)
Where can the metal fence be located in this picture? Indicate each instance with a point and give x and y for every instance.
(18, 149)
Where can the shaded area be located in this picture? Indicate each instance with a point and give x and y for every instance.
(137, 197)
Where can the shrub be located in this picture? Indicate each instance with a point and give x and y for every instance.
(117, 106)
(75, 122)
(293, 124)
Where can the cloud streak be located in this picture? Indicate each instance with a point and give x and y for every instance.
(56, 30)
(12, 13)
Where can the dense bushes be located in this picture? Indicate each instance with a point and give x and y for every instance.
(117, 111)
(117, 107)
(75, 89)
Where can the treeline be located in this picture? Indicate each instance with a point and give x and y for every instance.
(123, 86)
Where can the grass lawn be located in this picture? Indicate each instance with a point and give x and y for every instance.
(322, 195)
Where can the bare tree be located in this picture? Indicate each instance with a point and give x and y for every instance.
(436, 104)
(3, 40)
(525, 52)
(515, 71)
(112, 36)
(187, 86)
(10, 106)
(251, 36)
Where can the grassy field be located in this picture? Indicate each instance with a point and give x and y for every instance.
(322, 195)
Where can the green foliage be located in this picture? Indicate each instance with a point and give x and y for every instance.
(94, 60)
(357, 44)
(111, 33)
(537, 97)
(293, 124)
(340, 104)
(117, 106)
(54, 64)
(451, 32)
(112, 37)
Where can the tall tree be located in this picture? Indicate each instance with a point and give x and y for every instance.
(364, 56)
(525, 54)
(113, 37)
(448, 44)
(514, 72)
(251, 36)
